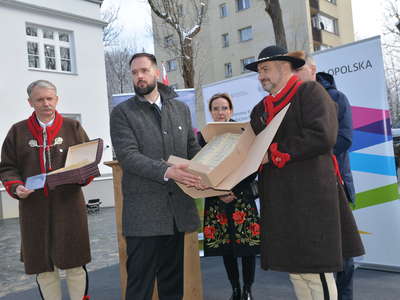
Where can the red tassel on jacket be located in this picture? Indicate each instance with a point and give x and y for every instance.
(278, 158)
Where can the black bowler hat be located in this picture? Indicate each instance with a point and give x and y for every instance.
(275, 53)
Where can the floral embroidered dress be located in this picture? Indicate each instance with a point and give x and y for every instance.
(232, 228)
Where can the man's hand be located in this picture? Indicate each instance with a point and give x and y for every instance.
(179, 173)
(228, 198)
(22, 192)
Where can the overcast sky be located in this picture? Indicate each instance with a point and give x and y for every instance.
(134, 16)
(367, 17)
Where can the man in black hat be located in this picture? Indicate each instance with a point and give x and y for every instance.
(304, 214)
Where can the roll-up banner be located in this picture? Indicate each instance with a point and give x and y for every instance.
(359, 73)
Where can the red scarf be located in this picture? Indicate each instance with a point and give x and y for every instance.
(37, 132)
(274, 104)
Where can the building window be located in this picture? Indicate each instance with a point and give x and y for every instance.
(223, 10)
(49, 49)
(332, 1)
(328, 24)
(225, 40)
(228, 70)
(171, 65)
(246, 61)
(50, 57)
(245, 34)
(242, 4)
(168, 41)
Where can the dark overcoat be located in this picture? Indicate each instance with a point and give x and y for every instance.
(345, 133)
(143, 144)
(53, 224)
(232, 228)
(304, 214)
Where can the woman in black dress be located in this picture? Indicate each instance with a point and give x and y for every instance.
(231, 222)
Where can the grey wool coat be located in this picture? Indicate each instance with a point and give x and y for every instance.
(142, 147)
(306, 223)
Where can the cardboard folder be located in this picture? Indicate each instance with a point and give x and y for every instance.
(243, 160)
(81, 164)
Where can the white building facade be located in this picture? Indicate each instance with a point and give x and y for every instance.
(59, 41)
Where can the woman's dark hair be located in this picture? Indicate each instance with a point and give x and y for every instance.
(220, 95)
(143, 54)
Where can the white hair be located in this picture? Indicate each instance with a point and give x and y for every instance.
(40, 83)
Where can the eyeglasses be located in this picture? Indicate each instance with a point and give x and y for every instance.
(219, 108)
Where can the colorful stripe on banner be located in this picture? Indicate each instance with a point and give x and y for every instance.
(371, 163)
(363, 139)
(363, 116)
(379, 127)
(377, 196)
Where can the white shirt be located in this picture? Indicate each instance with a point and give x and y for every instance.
(44, 125)
(158, 101)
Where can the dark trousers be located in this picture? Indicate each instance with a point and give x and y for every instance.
(248, 269)
(344, 280)
(155, 257)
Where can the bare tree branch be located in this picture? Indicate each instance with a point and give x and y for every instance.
(112, 31)
(171, 13)
(118, 74)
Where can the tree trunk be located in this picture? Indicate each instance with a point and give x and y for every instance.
(273, 8)
(187, 64)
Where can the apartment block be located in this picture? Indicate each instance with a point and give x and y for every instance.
(235, 31)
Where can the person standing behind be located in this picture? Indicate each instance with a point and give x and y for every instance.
(304, 212)
(231, 222)
(53, 223)
(145, 130)
(344, 279)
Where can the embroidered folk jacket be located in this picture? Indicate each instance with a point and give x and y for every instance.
(53, 223)
(232, 228)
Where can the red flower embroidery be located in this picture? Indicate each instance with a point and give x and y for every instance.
(238, 217)
(222, 219)
(255, 228)
(209, 232)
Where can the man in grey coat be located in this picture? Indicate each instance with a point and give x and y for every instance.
(145, 131)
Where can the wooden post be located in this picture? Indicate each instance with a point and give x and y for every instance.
(193, 289)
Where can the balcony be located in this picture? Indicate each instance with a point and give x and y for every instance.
(317, 35)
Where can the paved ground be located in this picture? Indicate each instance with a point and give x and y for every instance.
(104, 271)
(103, 243)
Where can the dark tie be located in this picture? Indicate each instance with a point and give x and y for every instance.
(157, 112)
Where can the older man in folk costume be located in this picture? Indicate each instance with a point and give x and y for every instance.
(53, 223)
(306, 223)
